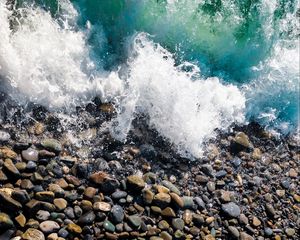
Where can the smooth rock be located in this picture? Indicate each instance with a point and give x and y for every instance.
(231, 209)
(135, 183)
(117, 214)
(30, 154)
(33, 234)
(49, 226)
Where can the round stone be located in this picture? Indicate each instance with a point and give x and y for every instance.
(49, 226)
(87, 218)
(30, 154)
(60, 203)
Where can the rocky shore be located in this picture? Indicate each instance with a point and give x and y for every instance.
(71, 180)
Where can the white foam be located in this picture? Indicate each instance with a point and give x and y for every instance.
(47, 61)
(182, 107)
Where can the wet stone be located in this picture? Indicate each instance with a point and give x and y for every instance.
(6, 202)
(234, 232)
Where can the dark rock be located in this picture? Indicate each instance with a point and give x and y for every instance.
(87, 218)
(117, 214)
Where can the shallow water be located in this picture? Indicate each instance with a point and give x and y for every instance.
(192, 66)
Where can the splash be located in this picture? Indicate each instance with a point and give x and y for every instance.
(191, 66)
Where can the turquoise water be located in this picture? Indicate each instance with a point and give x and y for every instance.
(138, 52)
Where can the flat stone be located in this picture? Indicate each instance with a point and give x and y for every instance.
(135, 183)
(106, 182)
(119, 194)
(231, 209)
(30, 154)
(33, 234)
(188, 202)
(74, 228)
(102, 206)
(47, 196)
(60, 203)
(49, 226)
(256, 222)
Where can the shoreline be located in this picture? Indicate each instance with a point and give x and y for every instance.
(246, 186)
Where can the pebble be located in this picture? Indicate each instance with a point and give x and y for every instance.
(162, 200)
(74, 228)
(168, 212)
(52, 145)
(290, 232)
(87, 218)
(231, 209)
(178, 223)
(135, 221)
(49, 226)
(30, 154)
(5, 221)
(135, 183)
(117, 214)
(109, 226)
(42, 215)
(60, 203)
(102, 206)
(170, 186)
(33, 234)
(234, 232)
